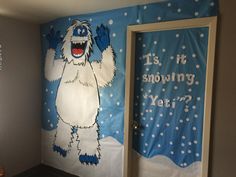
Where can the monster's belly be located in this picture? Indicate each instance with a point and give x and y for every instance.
(77, 101)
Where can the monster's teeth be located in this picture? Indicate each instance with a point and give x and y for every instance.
(74, 42)
(78, 42)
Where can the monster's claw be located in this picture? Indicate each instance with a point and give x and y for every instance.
(59, 150)
(102, 39)
(88, 159)
(53, 39)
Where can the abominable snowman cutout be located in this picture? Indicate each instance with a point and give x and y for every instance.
(77, 101)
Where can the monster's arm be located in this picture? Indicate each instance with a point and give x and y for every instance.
(105, 69)
(53, 68)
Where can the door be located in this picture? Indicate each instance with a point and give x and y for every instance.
(168, 98)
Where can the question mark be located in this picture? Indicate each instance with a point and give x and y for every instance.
(188, 98)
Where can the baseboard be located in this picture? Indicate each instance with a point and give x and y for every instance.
(45, 171)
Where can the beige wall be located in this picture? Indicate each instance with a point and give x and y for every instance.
(20, 96)
(223, 145)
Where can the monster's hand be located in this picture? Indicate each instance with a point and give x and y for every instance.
(102, 39)
(53, 39)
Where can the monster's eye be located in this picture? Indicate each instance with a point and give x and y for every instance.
(80, 31)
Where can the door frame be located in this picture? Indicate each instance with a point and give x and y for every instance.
(211, 23)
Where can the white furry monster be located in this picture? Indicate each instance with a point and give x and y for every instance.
(77, 101)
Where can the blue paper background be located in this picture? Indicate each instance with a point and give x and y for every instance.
(111, 116)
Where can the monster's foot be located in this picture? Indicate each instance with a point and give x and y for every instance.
(63, 138)
(59, 150)
(89, 159)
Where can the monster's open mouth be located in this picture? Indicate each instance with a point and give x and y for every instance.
(78, 48)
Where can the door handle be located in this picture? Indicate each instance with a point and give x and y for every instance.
(136, 126)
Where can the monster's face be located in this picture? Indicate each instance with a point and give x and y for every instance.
(77, 43)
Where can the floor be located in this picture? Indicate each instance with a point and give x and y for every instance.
(44, 171)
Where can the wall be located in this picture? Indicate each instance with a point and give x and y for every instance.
(20, 96)
(223, 144)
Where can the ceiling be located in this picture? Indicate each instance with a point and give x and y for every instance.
(41, 11)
